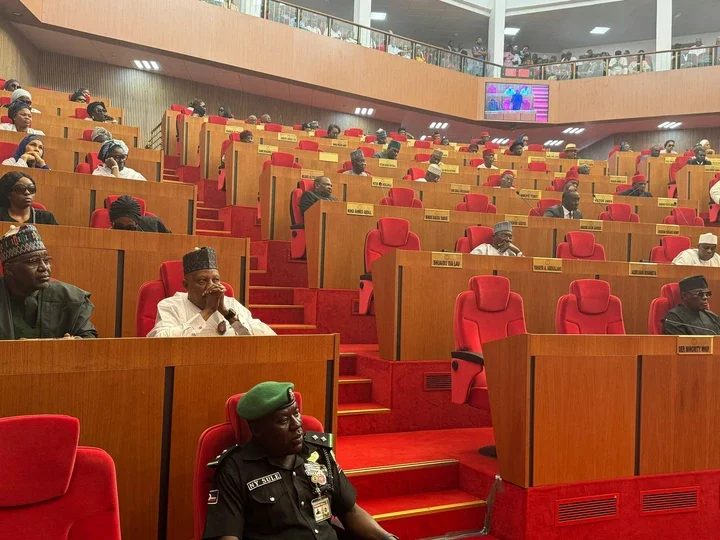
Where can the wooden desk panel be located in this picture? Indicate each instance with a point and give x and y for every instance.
(657, 171)
(53, 95)
(693, 182)
(72, 128)
(623, 163)
(190, 140)
(60, 105)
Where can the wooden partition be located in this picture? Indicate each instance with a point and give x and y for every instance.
(336, 239)
(72, 128)
(73, 197)
(657, 171)
(52, 103)
(694, 181)
(584, 408)
(112, 265)
(404, 281)
(623, 163)
(147, 401)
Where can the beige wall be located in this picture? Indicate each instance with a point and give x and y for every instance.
(18, 57)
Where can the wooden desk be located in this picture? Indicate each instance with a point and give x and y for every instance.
(335, 240)
(693, 181)
(72, 128)
(404, 281)
(44, 93)
(112, 265)
(63, 106)
(623, 163)
(657, 171)
(147, 401)
(73, 197)
(599, 167)
(554, 423)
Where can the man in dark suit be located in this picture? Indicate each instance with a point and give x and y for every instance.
(568, 209)
(699, 158)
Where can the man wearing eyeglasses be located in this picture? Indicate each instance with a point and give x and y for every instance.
(704, 255)
(692, 317)
(31, 305)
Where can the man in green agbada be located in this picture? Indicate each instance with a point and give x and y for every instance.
(31, 305)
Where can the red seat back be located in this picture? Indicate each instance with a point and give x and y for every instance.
(684, 216)
(589, 309)
(346, 166)
(475, 162)
(622, 187)
(537, 166)
(493, 181)
(391, 234)
(307, 144)
(669, 248)
(370, 139)
(614, 149)
(422, 158)
(367, 151)
(535, 147)
(296, 216)
(474, 236)
(542, 205)
(401, 196)
(281, 159)
(5, 120)
(4, 100)
(476, 202)
(81, 113)
(92, 159)
(321, 132)
(397, 137)
(221, 120)
(580, 245)
(87, 135)
(669, 298)
(273, 128)
(414, 173)
(423, 144)
(7, 150)
(353, 132)
(83, 168)
(51, 487)
(619, 212)
(178, 108)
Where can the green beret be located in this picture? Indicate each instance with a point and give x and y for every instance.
(265, 398)
(394, 144)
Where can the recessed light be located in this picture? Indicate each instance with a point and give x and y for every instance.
(674, 125)
(495, 140)
(146, 64)
(664, 124)
(423, 137)
(154, 64)
(567, 130)
(138, 64)
(17, 13)
(378, 15)
(357, 110)
(363, 110)
(600, 30)
(370, 112)
(444, 126)
(579, 131)
(432, 125)
(511, 31)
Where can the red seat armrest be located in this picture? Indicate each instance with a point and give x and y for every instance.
(468, 356)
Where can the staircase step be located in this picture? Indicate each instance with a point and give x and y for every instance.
(263, 294)
(283, 329)
(405, 479)
(354, 389)
(205, 232)
(347, 364)
(210, 224)
(278, 313)
(354, 409)
(207, 213)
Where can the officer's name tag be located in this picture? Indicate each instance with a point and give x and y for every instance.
(321, 509)
(265, 480)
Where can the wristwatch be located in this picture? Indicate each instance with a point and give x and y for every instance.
(230, 315)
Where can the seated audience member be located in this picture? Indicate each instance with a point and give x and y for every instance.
(445, 141)
(114, 154)
(125, 216)
(567, 209)
(403, 131)
(699, 158)
(516, 149)
(639, 187)
(473, 148)
(252, 119)
(265, 119)
(524, 140)
(501, 242)
(704, 255)
(484, 137)
(668, 147)
(357, 158)
(20, 115)
(322, 191)
(32, 305)
(488, 160)
(692, 317)
(333, 131)
(279, 451)
(29, 153)
(11, 85)
(81, 95)
(198, 107)
(24, 96)
(433, 174)
(225, 112)
(625, 147)
(310, 126)
(17, 193)
(705, 145)
(571, 185)
(571, 151)
(391, 152)
(246, 136)
(204, 310)
(436, 157)
(381, 135)
(507, 179)
(715, 193)
(654, 152)
(98, 113)
(583, 169)
(100, 135)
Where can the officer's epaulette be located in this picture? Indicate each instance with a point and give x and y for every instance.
(219, 459)
(320, 439)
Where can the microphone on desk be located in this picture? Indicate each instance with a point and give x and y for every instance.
(604, 208)
(517, 192)
(678, 325)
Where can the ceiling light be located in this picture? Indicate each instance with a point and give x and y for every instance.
(511, 31)
(444, 126)
(664, 124)
(146, 64)
(357, 110)
(567, 130)
(423, 137)
(363, 110)
(580, 130)
(600, 30)
(378, 15)
(17, 13)
(495, 140)
(370, 112)
(432, 125)
(138, 64)
(547, 143)
(674, 125)
(154, 64)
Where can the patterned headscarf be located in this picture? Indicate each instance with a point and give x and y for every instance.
(109, 146)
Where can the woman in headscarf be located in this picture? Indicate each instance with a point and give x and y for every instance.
(11, 85)
(20, 114)
(100, 135)
(125, 216)
(114, 154)
(198, 108)
(98, 113)
(625, 146)
(22, 95)
(81, 95)
(525, 140)
(29, 153)
(17, 193)
(225, 112)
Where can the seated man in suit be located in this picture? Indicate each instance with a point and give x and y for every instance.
(700, 157)
(692, 317)
(322, 191)
(639, 187)
(568, 209)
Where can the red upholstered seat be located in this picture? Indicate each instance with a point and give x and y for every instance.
(353, 132)
(474, 236)
(369, 138)
(475, 162)
(7, 150)
(83, 168)
(80, 113)
(684, 216)
(589, 308)
(100, 218)
(397, 137)
(391, 234)
(92, 159)
(220, 437)
(619, 212)
(87, 135)
(537, 166)
(476, 202)
(423, 144)
(297, 227)
(535, 147)
(367, 151)
(151, 292)
(273, 128)
(463, 149)
(178, 108)
(645, 152)
(297, 127)
(346, 166)
(491, 146)
(614, 149)
(669, 248)
(493, 181)
(401, 196)
(669, 298)
(221, 120)
(51, 487)
(580, 245)
(281, 159)
(542, 205)
(622, 187)
(321, 132)
(5, 120)
(38, 206)
(413, 173)
(422, 158)
(4, 100)
(307, 144)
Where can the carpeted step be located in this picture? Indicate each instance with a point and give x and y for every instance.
(278, 313)
(207, 213)
(263, 294)
(171, 162)
(260, 277)
(210, 224)
(354, 389)
(347, 363)
(205, 232)
(356, 409)
(284, 329)
(404, 479)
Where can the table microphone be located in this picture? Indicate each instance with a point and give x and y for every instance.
(604, 207)
(677, 325)
(525, 201)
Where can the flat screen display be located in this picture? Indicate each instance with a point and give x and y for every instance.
(512, 102)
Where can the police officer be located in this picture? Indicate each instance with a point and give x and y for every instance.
(285, 483)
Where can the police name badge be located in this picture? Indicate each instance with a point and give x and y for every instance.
(321, 509)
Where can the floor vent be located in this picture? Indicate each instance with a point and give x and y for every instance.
(669, 501)
(586, 509)
(435, 382)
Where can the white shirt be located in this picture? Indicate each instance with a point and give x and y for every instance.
(178, 317)
(690, 257)
(11, 161)
(663, 151)
(489, 249)
(715, 193)
(566, 213)
(482, 166)
(127, 173)
(353, 173)
(11, 127)
(420, 180)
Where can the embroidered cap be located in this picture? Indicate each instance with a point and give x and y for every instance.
(19, 241)
(265, 398)
(203, 258)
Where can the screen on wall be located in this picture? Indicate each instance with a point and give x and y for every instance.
(516, 102)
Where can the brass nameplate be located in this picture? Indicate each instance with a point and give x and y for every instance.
(289, 137)
(531, 194)
(410, 144)
(460, 188)
(310, 174)
(381, 182)
(388, 163)
(595, 225)
(359, 209)
(667, 230)
(328, 156)
(618, 180)
(339, 143)
(445, 153)
(517, 220)
(664, 202)
(559, 175)
(541, 264)
(234, 129)
(642, 269)
(310, 133)
(552, 155)
(670, 159)
(259, 127)
(451, 169)
(266, 149)
(536, 159)
(714, 161)
(602, 198)
(446, 260)
(433, 214)
(694, 345)
(712, 168)
(586, 162)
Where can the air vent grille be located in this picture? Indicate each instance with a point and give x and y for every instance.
(669, 501)
(586, 509)
(435, 382)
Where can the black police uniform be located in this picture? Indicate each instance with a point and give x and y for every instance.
(254, 498)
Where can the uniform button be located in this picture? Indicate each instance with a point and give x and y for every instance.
(317, 532)
(272, 499)
(294, 474)
(302, 503)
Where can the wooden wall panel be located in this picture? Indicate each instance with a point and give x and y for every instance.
(18, 57)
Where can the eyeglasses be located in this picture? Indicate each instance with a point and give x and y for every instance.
(119, 158)
(35, 262)
(21, 189)
(701, 294)
(119, 227)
